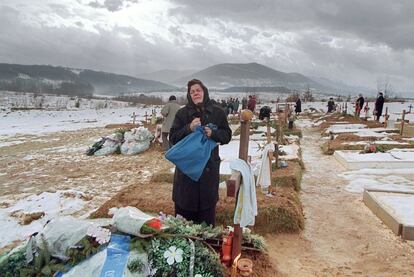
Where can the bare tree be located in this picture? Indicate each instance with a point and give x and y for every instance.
(384, 86)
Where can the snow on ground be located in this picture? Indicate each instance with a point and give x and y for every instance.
(10, 143)
(303, 123)
(37, 122)
(398, 179)
(230, 151)
(342, 126)
(291, 150)
(399, 205)
(374, 142)
(394, 155)
(394, 109)
(362, 132)
(52, 204)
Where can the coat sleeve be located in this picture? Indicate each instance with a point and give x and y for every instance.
(223, 132)
(180, 128)
(165, 110)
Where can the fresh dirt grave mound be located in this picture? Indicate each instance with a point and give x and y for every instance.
(280, 213)
(290, 176)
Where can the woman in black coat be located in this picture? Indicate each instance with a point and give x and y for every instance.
(193, 200)
(298, 106)
(379, 104)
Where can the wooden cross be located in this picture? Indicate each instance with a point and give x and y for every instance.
(233, 184)
(269, 140)
(133, 118)
(386, 117)
(402, 122)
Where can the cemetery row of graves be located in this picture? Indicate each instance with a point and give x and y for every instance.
(130, 197)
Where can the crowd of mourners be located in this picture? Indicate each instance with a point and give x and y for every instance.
(232, 105)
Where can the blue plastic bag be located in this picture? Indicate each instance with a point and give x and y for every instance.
(192, 153)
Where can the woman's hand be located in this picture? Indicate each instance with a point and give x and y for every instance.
(208, 131)
(196, 121)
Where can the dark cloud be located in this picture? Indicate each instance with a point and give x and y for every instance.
(376, 21)
(112, 5)
(353, 41)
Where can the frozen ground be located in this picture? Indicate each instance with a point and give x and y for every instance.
(38, 122)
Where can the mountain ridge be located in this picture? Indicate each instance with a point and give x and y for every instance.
(58, 79)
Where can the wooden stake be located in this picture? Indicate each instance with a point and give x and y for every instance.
(402, 122)
(269, 140)
(386, 117)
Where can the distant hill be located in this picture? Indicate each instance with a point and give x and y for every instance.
(342, 88)
(167, 75)
(250, 75)
(282, 90)
(61, 80)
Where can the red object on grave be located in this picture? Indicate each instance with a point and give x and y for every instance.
(154, 223)
(226, 249)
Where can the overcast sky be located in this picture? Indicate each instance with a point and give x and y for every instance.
(359, 42)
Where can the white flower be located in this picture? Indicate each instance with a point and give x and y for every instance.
(173, 255)
(198, 275)
(100, 234)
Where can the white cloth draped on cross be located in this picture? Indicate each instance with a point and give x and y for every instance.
(264, 178)
(246, 208)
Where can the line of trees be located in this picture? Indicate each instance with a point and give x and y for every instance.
(41, 86)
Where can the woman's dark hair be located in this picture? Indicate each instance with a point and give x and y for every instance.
(172, 97)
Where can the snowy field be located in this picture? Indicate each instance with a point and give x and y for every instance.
(34, 126)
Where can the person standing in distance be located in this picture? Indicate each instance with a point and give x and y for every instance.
(196, 200)
(168, 112)
(359, 105)
(379, 104)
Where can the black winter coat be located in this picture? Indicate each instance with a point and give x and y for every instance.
(379, 104)
(360, 102)
(298, 106)
(202, 195)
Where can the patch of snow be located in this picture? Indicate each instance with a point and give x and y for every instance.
(399, 205)
(231, 151)
(10, 143)
(52, 204)
(398, 179)
(374, 142)
(292, 152)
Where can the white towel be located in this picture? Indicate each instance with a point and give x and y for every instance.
(246, 208)
(264, 179)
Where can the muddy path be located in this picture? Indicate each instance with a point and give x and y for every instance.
(342, 237)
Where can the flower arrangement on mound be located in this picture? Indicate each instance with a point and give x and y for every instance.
(179, 256)
(160, 246)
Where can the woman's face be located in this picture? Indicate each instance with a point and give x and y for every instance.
(197, 94)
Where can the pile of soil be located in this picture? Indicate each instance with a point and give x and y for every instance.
(290, 176)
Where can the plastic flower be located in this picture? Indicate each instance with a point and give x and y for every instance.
(173, 255)
(100, 234)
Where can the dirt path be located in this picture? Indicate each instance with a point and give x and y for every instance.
(342, 237)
